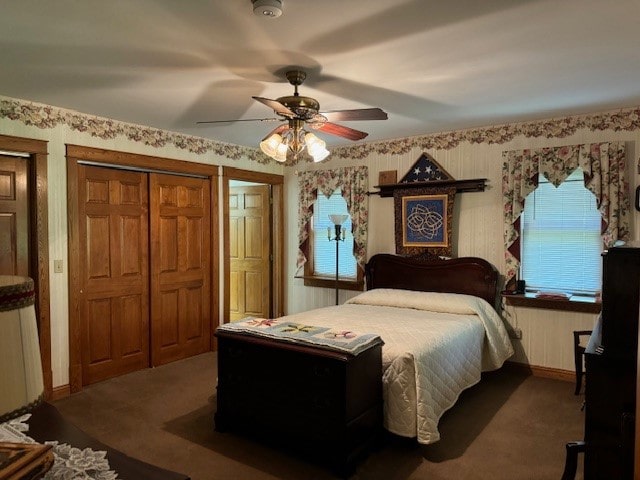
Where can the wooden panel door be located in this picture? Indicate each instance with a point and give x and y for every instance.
(180, 267)
(114, 293)
(14, 217)
(249, 249)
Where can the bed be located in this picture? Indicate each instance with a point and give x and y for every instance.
(437, 330)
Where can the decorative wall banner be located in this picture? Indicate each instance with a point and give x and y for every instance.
(423, 219)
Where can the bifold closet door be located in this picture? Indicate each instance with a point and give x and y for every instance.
(180, 267)
(114, 272)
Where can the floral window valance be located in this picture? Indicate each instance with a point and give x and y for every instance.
(604, 167)
(353, 182)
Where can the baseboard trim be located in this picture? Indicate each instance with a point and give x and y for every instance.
(60, 392)
(544, 372)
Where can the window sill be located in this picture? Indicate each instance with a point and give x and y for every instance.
(573, 304)
(326, 282)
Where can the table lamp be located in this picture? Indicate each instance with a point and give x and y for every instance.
(21, 384)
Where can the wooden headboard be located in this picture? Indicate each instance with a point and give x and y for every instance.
(467, 275)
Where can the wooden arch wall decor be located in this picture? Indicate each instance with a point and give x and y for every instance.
(427, 172)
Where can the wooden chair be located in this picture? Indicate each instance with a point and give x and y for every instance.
(571, 461)
(580, 339)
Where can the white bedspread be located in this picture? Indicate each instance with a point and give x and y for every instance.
(435, 346)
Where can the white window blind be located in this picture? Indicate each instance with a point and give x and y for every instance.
(561, 243)
(324, 250)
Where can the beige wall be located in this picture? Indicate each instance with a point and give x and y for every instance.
(478, 226)
(547, 338)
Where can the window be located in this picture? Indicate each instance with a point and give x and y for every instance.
(348, 186)
(561, 241)
(324, 250)
(322, 266)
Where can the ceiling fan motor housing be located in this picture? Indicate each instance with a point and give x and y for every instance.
(303, 107)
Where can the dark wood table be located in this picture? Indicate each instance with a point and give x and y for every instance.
(48, 424)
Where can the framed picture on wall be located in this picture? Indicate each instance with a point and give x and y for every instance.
(423, 220)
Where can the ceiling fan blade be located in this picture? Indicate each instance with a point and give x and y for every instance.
(357, 114)
(242, 120)
(276, 106)
(341, 131)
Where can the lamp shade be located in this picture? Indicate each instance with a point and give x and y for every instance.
(338, 219)
(21, 384)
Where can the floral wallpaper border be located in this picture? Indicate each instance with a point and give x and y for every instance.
(619, 120)
(46, 116)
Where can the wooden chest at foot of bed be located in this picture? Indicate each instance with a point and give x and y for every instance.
(324, 404)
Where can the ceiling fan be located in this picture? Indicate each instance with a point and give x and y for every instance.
(291, 138)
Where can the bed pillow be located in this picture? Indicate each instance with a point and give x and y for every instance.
(431, 301)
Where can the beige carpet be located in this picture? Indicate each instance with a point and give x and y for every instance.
(510, 426)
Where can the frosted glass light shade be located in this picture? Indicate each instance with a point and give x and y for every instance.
(313, 141)
(281, 153)
(316, 147)
(270, 145)
(338, 219)
(320, 155)
(21, 381)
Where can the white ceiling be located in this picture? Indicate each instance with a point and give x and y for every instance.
(433, 65)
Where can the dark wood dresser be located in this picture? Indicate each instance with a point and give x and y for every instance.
(610, 395)
(329, 410)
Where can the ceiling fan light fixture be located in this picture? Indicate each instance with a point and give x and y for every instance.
(294, 140)
(317, 148)
(270, 144)
(312, 141)
(281, 153)
(267, 8)
(320, 155)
